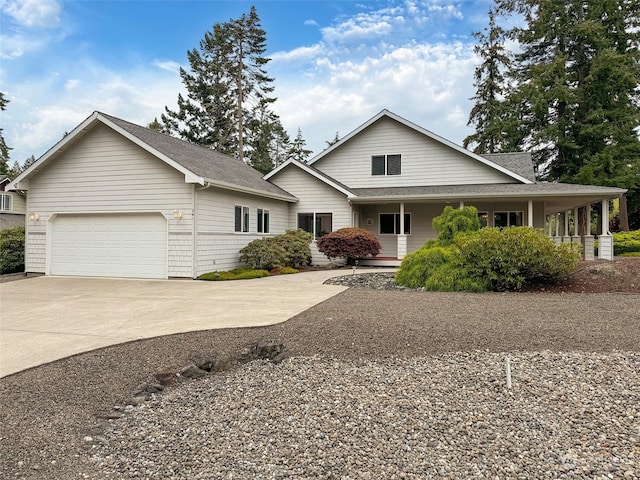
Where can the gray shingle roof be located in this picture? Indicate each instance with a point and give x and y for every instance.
(517, 162)
(203, 162)
(497, 189)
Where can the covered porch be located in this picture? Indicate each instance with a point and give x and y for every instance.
(401, 217)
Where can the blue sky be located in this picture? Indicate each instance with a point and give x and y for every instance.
(336, 63)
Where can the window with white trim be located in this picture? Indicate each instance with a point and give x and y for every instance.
(241, 219)
(318, 224)
(386, 164)
(508, 219)
(390, 223)
(263, 221)
(6, 203)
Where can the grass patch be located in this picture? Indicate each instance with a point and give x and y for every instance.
(243, 273)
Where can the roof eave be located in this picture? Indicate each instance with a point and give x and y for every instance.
(251, 191)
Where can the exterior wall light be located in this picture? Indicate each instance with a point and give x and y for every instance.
(34, 216)
(177, 214)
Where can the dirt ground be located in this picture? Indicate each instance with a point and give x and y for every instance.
(600, 276)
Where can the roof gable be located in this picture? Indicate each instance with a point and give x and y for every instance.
(314, 172)
(387, 114)
(199, 165)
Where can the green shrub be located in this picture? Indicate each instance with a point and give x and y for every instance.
(454, 278)
(12, 250)
(264, 253)
(350, 243)
(283, 271)
(508, 258)
(296, 244)
(455, 221)
(416, 267)
(236, 274)
(630, 254)
(626, 242)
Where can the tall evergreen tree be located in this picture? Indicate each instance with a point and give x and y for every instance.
(267, 140)
(227, 82)
(487, 114)
(297, 150)
(4, 149)
(575, 90)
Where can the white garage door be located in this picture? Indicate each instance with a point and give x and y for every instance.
(119, 245)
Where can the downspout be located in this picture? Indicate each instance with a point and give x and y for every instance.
(194, 233)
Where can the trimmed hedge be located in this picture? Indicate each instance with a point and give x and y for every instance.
(350, 243)
(12, 250)
(626, 242)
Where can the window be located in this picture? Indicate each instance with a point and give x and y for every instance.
(5, 203)
(508, 219)
(484, 219)
(263, 221)
(318, 224)
(386, 165)
(390, 223)
(241, 219)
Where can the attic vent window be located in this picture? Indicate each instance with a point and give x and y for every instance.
(386, 164)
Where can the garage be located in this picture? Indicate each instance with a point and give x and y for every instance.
(109, 245)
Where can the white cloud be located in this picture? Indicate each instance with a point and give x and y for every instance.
(71, 84)
(298, 54)
(427, 84)
(168, 65)
(40, 111)
(33, 13)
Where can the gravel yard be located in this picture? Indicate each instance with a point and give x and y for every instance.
(378, 383)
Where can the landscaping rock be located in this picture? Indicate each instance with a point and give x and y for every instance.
(193, 371)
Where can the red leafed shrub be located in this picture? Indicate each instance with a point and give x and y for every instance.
(349, 243)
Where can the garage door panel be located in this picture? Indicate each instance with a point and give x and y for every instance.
(110, 245)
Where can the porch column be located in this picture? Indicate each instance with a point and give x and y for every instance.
(557, 238)
(566, 236)
(605, 240)
(461, 204)
(576, 234)
(402, 238)
(588, 251)
(530, 213)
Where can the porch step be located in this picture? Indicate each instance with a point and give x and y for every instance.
(380, 262)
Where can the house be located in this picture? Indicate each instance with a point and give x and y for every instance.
(116, 199)
(12, 206)
(392, 177)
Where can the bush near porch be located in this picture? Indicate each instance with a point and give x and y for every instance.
(467, 258)
(289, 249)
(12, 250)
(626, 244)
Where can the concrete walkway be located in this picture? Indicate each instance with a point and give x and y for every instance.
(47, 318)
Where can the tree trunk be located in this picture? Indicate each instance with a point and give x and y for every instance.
(624, 216)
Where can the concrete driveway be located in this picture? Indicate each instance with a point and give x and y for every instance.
(47, 318)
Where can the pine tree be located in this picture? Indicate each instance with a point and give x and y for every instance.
(267, 140)
(335, 140)
(575, 93)
(297, 150)
(4, 149)
(226, 84)
(487, 114)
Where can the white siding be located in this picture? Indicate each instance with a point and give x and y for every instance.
(424, 161)
(315, 197)
(217, 243)
(104, 172)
